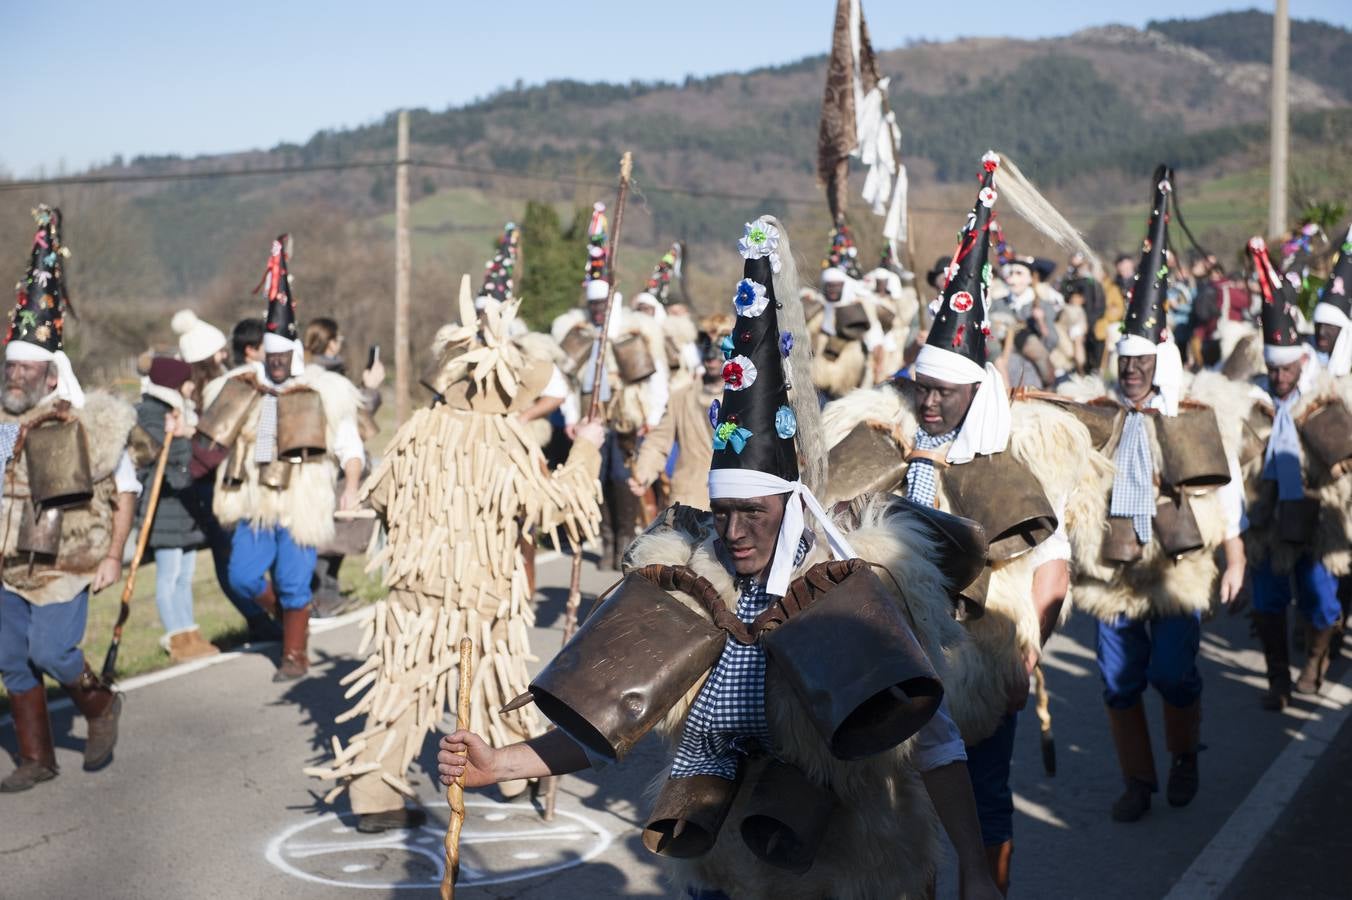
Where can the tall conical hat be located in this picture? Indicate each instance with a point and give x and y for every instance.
(1281, 342)
(37, 323)
(500, 271)
(1337, 291)
(667, 271)
(280, 334)
(1146, 308)
(596, 278)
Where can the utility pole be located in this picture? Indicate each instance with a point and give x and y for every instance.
(1281, 60)
(403, 264)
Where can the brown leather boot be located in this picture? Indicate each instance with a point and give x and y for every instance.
(1271, 628)
(267, 601)
(37, 754)
(101, 707)
(1183, 736)
(295, 661)
(1317, 642)
(1131, 738)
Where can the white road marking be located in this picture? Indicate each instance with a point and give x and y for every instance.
(1221, 859)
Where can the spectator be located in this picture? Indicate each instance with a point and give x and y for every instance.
(1125, 267)
(324, 347)
(246, 341)
(166, 413)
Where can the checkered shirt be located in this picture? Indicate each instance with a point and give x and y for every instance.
(9, 436)
(266, 448)
(727, 720)
(1134, 481)
(921, 485)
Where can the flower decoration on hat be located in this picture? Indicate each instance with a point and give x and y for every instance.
(739, 373)
(499, 271)
(786, 424)
(727, 346)
(41, 297)
(760, 241)
(750, 300)
(730, 434)
(713, 413)
(785, 343)
(843, 254)
(1279, 299)
(597, 253)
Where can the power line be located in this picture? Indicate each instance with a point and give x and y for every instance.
(488, 171)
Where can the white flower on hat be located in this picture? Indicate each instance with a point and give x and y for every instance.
(760, 240)
(987, 197)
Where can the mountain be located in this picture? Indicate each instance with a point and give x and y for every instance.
(1086, 116)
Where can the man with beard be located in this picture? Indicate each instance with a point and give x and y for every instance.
(45, 598)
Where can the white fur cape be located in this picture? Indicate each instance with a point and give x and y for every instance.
(306, 507)
(1157, 585)
(882, 840)
(1056, 449)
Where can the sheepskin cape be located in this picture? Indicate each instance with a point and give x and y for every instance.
(1332, 544)
(86, 531)
(1057, 451)
(1156, 584)
(305, 508)
(882, 840)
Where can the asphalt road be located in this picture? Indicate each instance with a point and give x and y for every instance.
(206, 797)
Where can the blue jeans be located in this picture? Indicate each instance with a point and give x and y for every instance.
(257, 551)
(174, 568)
(37, 639)
(1161, 652)
(988, 765)
(1316, 592)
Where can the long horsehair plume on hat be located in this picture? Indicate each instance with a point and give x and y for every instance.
(1024, 199)
(41, 302)
(500, 271)
(798, 365)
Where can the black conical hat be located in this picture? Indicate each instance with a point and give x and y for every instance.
(960, 325)
(1146, 309)
(276, 285)
(1279, 299)
(41, 300)
(843, 254)
(500, 271)
(754, 425)
(1337, 291)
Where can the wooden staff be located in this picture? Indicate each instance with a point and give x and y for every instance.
(594, 410)
(455, 794)
(1044, 717)
(110, 659)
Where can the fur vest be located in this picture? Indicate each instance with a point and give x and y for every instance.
(305, 508)
(1332, 543)
(86, 531)
(1157, 584)
(882, 840)
(1057, 451)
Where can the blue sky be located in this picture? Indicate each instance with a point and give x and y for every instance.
(86, 79)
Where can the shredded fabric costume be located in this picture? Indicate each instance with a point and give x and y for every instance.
(921, 486)
(728, 718)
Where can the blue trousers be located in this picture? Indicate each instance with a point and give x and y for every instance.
(37, 639)
(219, 541)
(1161, 652)
(988, 764)
(1316, 591)
(254, 553)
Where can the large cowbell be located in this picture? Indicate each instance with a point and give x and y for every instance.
(853, 661)
(627, 666)
(59, 472)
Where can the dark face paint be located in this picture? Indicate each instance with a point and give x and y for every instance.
(832, 291)
(749, 529)
(1282, 380)
(278, 366)
(1325, 336)
(941, 405)
(1136, 376)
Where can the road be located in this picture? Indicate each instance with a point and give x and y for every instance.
(206, 797)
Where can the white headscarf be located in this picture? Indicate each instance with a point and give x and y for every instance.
(1168, 367)
(986, 428)
(1340, 357)
(67, 385)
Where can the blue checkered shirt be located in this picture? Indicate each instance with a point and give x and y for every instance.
(727, 720)
(1133, 494)
(921, 485)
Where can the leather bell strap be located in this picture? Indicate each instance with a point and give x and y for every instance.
(743, 484)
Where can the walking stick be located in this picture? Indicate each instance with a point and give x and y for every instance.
(593, 410)
(455, 794)
(1044, 717)
(110, 660)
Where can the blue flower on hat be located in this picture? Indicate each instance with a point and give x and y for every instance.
(714, 409)
(730, 434)
(786, 424)
(750, 300)
(785, 343)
